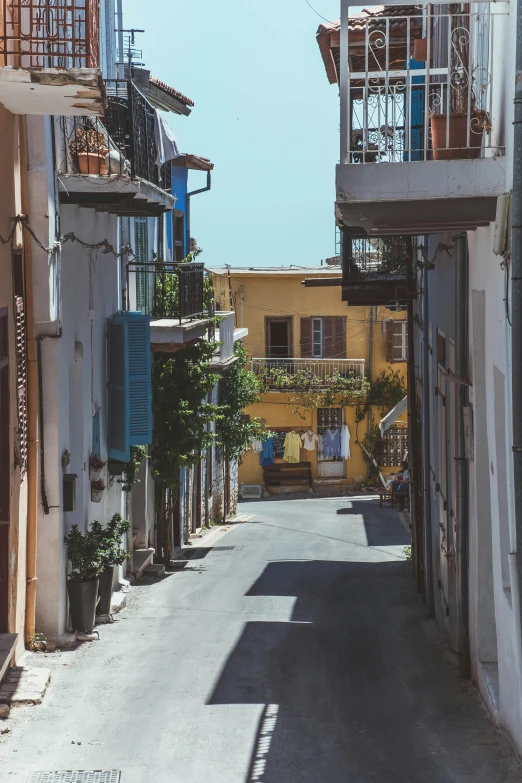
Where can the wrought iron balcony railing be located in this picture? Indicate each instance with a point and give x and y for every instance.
(167, 291)
(294, 374)
(377, 259)
(50, 33)
(123, 145)
(418, 87)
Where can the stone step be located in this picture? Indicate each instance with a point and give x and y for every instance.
(24, 686)
(141, 558)
(7, 646)
(155, 571)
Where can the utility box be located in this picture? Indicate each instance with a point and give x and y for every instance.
(69, 491)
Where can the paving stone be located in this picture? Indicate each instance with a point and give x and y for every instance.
(25, 686)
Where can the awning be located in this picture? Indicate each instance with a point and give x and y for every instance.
(393, 415)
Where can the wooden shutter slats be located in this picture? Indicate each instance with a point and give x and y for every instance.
(306, 338)
(389, 341)
(340, 338)
(21, 383)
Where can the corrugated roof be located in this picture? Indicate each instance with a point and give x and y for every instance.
(170, 91)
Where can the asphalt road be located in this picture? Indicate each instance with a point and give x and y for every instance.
(294, 650)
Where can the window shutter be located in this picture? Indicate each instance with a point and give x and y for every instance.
(339, 338)
(130, 392)
(389, 341)
(140, 391)
(306, 338)
(21, 384)
(5, 470)
(328, 338)
(141, 252)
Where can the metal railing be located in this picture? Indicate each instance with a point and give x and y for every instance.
(417, 87)
(303, 372)
(50, 33)
(123, 145)
(166, 291)
(377, 258)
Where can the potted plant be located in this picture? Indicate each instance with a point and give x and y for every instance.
(97, 488)
(90, 148)
(112, 554)
(96, 465)
(83, 551)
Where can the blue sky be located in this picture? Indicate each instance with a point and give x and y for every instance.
(264, 114)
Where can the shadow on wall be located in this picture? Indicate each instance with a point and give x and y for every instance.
(383, 528)
(351, 688)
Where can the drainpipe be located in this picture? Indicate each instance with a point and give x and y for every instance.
(426, 444)
(32, 405)
(516, 305)
(462, 470)
(194, 193)
(370, 368)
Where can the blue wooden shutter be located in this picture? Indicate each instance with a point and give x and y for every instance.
(130, 393)
(118, 375)
(140, 392)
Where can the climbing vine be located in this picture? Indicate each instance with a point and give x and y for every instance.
(239, 387)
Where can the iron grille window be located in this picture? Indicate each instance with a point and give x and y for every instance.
(21, 384)
(394, 446)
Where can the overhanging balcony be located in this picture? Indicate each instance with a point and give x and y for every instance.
(290, 374)
(114, 165)
(378, 271)
(49, 57)
(421, 140)
(173, 296)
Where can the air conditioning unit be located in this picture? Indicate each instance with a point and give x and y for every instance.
(251, 491)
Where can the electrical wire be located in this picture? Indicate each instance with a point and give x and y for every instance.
(317, 12)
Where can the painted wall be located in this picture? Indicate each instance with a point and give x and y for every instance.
(263, 294)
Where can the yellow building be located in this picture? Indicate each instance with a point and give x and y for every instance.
(298, 328)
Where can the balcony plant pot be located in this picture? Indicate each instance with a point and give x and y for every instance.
(457, 145)
(97, 489)
(105, 590)
(92, 163)
(94, 473)
(420, 50)
(82, 600)
(96, 465)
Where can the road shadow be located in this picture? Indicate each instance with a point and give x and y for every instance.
(383, 526)
(351, 688)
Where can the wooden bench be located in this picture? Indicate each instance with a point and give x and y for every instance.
(288, 474)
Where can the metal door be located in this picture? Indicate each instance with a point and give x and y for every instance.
(329, 467)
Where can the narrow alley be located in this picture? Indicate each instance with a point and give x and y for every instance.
(292, 648)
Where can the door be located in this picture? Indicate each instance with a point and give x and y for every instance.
(5, 474)
(329, 421)
(278, 336)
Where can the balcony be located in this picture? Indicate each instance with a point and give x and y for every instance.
(49, 57)
(226, 334)
(377, 271)
(421, 143)
(173, 296)
(114, 165)
(287, 375)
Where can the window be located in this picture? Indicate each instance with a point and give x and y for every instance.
(129, 382)
(317, 338)
(396, 341)
(441, 349)
(394, 446)
(278, 337)
(323, 338)
(178, 219)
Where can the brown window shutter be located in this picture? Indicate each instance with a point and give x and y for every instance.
(5, 468)
(306, 338)
(389, 341)
(328, 338)
(21, 384)
(339, 338)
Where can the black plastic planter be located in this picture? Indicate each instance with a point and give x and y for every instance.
(105, 591)
(82, 598)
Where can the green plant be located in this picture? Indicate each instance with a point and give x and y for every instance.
(89, 139)
(131, 468)
(407, 553)
(37, 642)
(110, 540)
(96, 462)
(98, 485)
(239, 387)
(84, 553)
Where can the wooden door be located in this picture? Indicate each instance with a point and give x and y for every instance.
(5, 473)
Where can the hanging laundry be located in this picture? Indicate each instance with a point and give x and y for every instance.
(320, 447)
(292, 447)
(257, 445)
(266, 457)
(345, 442)
(332, 442)
(309, 440)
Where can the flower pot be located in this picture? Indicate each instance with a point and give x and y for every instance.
(96, 494)
(92, 163)
(105, 590)
(457, 145)
(82, 599)
(420, 50)
(94, 473)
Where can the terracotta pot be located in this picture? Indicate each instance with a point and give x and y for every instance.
(83, 597)
(457, 145)
(420, 50)
(94, 473)
(92, 163)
